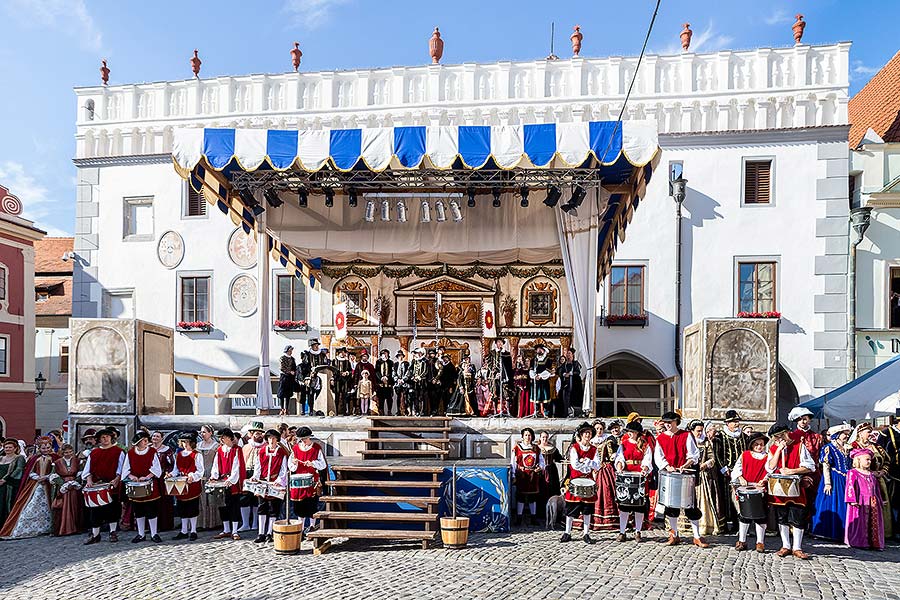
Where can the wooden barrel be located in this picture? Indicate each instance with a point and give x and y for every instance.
(287, 536)
(455, 532)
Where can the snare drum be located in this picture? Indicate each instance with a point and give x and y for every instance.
(302, 480)
(216, 489)
(582, 487)
(257, 488)
(176, 486)
(631, 490)
(138, 490)
(751, 503)
(274, 491)
(97, 495)
(676, 490)
(784, 486)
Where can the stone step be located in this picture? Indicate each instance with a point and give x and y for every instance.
(340, 515)
(421, 501)
(410, 429)
(409, 452)
(393, 483)
(387, 468)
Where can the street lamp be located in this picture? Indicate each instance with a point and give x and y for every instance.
(39, 383)
(679, 189)
(859, 221)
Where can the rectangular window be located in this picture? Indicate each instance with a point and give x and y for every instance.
(195, 299)
(539, 306)
(291, 298)
(138, 218)
(756, 287)
(63, 357)
(626, 290)
(196, 205)
(3, 283)
(894, 298)
(4, 355)
(758, 181)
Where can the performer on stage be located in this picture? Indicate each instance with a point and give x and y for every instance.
(447, 375)
(712, 497)
(402, 374)
(364, 366)
(527, 471)
(229, 466)
(384, 382)
(364, 394)
(208, 517)
(583, 460)
(831, 505)
(422, 374)
(142, 465)
(189, 463)
(750, 470)
(789, 456)
(864, 436)
(865, 525)
(342, 382)
(104, 466)
(484, 395)
(433, 383)
(576, 385)
(31, 514)
(271, 467)
(522, 382)
(676, 450)
(465, 384)
(729, 445)
(287, 380)
(251, 450)
(316, 357)
(635, 456)
(540, 373)
(307, 457)
(12, 464)
(68, 500)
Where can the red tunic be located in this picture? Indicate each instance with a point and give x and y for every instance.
(589, 454)
(528, 475)
(187, 465)
(810, 439)
(140, 467)
(269, 467)
(305, 455)
(674, 447)
(791, 460)
(753, 470)
(632, 454)
(105, 463)
(225, 458)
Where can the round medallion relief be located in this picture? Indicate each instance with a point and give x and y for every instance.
(243, 295)
(242, 248)
(170, 249)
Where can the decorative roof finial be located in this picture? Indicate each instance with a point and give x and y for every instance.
(576, 41)
(296, 55)
(195, 64)
(686, 34)
(104, 72)
(436, 46)
(798, 27)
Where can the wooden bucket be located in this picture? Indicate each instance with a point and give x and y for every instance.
(455, 532)
(287, 536)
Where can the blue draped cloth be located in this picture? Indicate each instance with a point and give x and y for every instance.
(830, 511)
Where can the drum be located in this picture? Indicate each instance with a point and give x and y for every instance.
(217, 489)
(302, 480)
(784, 486)
(582, 487)
(176, 486)
(274, 491)
(137, 490)
(676, 490)
(751, 503)
(257, 488)
(631, 490)
(97, 495)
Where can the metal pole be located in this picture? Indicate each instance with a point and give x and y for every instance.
(859, 220)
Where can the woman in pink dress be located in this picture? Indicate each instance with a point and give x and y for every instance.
(67, 504)
(865, 526)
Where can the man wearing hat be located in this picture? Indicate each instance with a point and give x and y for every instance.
(499, 366)
(788, 456)
(307, 458)
(249, 503)
(676, 450)
(541, 371)
(342, 382)
(634, 455)
(804, 433)
(287, 380)
(384, 381)
(229, 467)
(271, 467)
(433, 384)
(749, 470)
(401, 382)
(141, 465)
(88, 441)
(583, 461)
(422, 374)
(104, 465)
(728, 446)
(447, 375)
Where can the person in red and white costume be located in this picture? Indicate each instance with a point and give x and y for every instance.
(583, 461)
(104, 465)
(255, 443)
(229, 466)
(307, 457)
(676, 450)
(789, 456)
(272, 467)
(750, 470)
(527, 470)
(634, 456)
(188, 463)
(141, 464)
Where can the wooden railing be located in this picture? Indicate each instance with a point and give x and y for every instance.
(216, 394)
(625, 395)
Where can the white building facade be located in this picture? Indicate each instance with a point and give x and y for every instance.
(773, 117)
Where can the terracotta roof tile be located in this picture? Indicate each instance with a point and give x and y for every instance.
(48, 255)
(55, 304)
(877, 105)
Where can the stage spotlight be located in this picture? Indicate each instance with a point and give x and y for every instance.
(455, 212)
(523, 191)
(385, 210)
(578, 194)
(471, 193)
(303, 198)
(426, 212)
(272, 198)
(495, 192)
(370, 211)
(553, 196)
(441, 211)
(352, 198)
(250, 202)
(329, 197)
(401, 211)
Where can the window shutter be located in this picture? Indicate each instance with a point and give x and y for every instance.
(196, 204)
(757, 182)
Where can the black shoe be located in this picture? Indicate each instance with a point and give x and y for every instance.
(138, 539)
(534, 521)
(269, 538)
(180, 536)
(587, 539)
(259, 539)
(517, 520)
(92, 540)
(565, 538)
(192, 537)
(156, 539)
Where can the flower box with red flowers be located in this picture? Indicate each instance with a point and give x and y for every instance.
(281, 325)
(772, 314)
(189, 326)
(626, 320)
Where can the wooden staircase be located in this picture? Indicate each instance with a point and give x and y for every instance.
(407, 437)
(345, 514)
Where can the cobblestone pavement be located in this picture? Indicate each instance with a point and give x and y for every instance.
(525, 564)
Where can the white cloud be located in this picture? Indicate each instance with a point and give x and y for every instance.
(859, 71)
(779, 17)
(310, 13)
(37, 204)
(707, 40)
(68, 16)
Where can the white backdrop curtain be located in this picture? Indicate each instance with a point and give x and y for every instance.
(578, 241)
(264, 399)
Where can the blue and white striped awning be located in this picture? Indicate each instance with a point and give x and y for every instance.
(545, 146)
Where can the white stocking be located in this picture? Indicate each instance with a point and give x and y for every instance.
(586, 528)
(623, 521)
(95, 531)
(153, 522)
(673, 524)
(797, 534)
(141, 525)
(520, 508)
(271, 525)
(226, 527)
(235, 526)
(743, 530)
(184, 525)
(760, 533)
(532, 508)
(785, 532)
(193, 523)
(695, 528)
(113, 526)
(638, 522)
(245, 517)
(569, 521)
(262, 524)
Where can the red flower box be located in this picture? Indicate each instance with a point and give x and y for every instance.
(772, 314)
(282, 325)
(626, 320)
(194, 326)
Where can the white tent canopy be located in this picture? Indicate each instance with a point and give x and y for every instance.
(875, 394)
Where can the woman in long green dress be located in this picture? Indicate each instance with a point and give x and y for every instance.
(12, 463)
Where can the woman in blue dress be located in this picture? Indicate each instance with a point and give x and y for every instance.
(831, 509)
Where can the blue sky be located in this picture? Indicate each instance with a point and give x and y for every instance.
(51, 46)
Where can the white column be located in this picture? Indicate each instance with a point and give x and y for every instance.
(264, 400)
